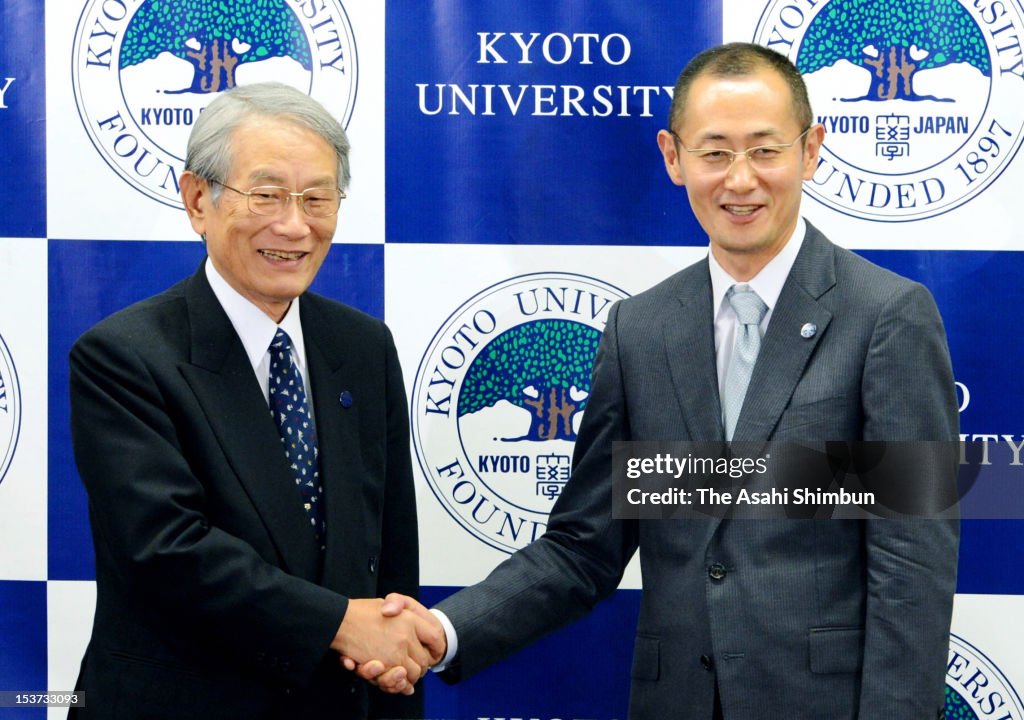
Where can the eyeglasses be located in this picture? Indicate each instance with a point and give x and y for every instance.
(762, 157)
(273, 200)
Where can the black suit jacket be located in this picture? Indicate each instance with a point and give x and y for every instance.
(212, 601)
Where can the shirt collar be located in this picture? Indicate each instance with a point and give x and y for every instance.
(767, 283)
(254, 327)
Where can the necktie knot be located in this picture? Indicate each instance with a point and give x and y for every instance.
(281, 343)
(750, 308)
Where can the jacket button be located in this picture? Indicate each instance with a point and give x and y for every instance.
(716, 571)
(707, 663)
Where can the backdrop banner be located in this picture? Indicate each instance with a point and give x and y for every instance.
(507, 191)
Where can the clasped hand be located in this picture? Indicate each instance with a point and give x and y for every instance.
(390, 642)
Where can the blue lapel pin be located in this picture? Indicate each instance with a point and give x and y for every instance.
(345, 399)
(808, 330)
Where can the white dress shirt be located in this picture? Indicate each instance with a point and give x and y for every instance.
(256, 331)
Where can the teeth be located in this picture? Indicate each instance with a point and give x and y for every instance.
(282, 255)
(741, 209)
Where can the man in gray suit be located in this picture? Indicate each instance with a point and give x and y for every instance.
(821, 619)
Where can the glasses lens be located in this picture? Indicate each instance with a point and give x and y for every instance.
(321, 202)
(766, 157)
(716, 159)
(267, 200)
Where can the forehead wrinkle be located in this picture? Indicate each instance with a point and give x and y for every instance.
(272, 177)
(261, 175)
(324, 181)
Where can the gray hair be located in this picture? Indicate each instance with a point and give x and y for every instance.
(209, 152)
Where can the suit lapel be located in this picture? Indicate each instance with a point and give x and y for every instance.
(222, 378)
(689, 334)
(784, 351)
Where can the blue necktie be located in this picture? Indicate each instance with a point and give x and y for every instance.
(290, 411)
(750, 310)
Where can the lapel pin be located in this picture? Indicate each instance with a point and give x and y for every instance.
(345, 399)
(808, 330)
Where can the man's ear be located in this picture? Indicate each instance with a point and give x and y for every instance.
(812, 148)
(669, 152)
(195, 195)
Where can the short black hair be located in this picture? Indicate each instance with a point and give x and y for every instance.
(738, 59)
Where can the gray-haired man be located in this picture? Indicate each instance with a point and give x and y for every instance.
(244, 445)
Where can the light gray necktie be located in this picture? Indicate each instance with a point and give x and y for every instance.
(750, 310)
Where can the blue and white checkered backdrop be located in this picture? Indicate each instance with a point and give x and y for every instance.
(505, 167)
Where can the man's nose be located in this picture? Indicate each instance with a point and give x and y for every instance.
(293, 220)
(741, 173)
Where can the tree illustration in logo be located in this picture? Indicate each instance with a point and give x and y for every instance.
(216, 37)
(542, 367)
(957, 708)
(893, 41)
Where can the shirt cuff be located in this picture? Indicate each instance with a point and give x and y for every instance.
(450, 636)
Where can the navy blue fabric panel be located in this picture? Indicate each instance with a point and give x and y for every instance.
(354, 275)
(526, 165)
(990, 558)
(22, 120)
(561, 676)
(23, 643)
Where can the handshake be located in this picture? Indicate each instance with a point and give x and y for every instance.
(391, 642)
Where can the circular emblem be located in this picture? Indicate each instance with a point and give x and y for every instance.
(975, 687)
(10, 409)
(142, 72)
(498, 398)
(922, 102)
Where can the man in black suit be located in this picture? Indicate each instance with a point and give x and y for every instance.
(232, 538)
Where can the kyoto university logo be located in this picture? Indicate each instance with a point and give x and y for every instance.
(10, 409)
(498, 398)
(976, 689)
(142, 72)
(922, 100)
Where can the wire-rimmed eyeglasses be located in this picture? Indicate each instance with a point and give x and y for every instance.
(273, 200)
(762, 157)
